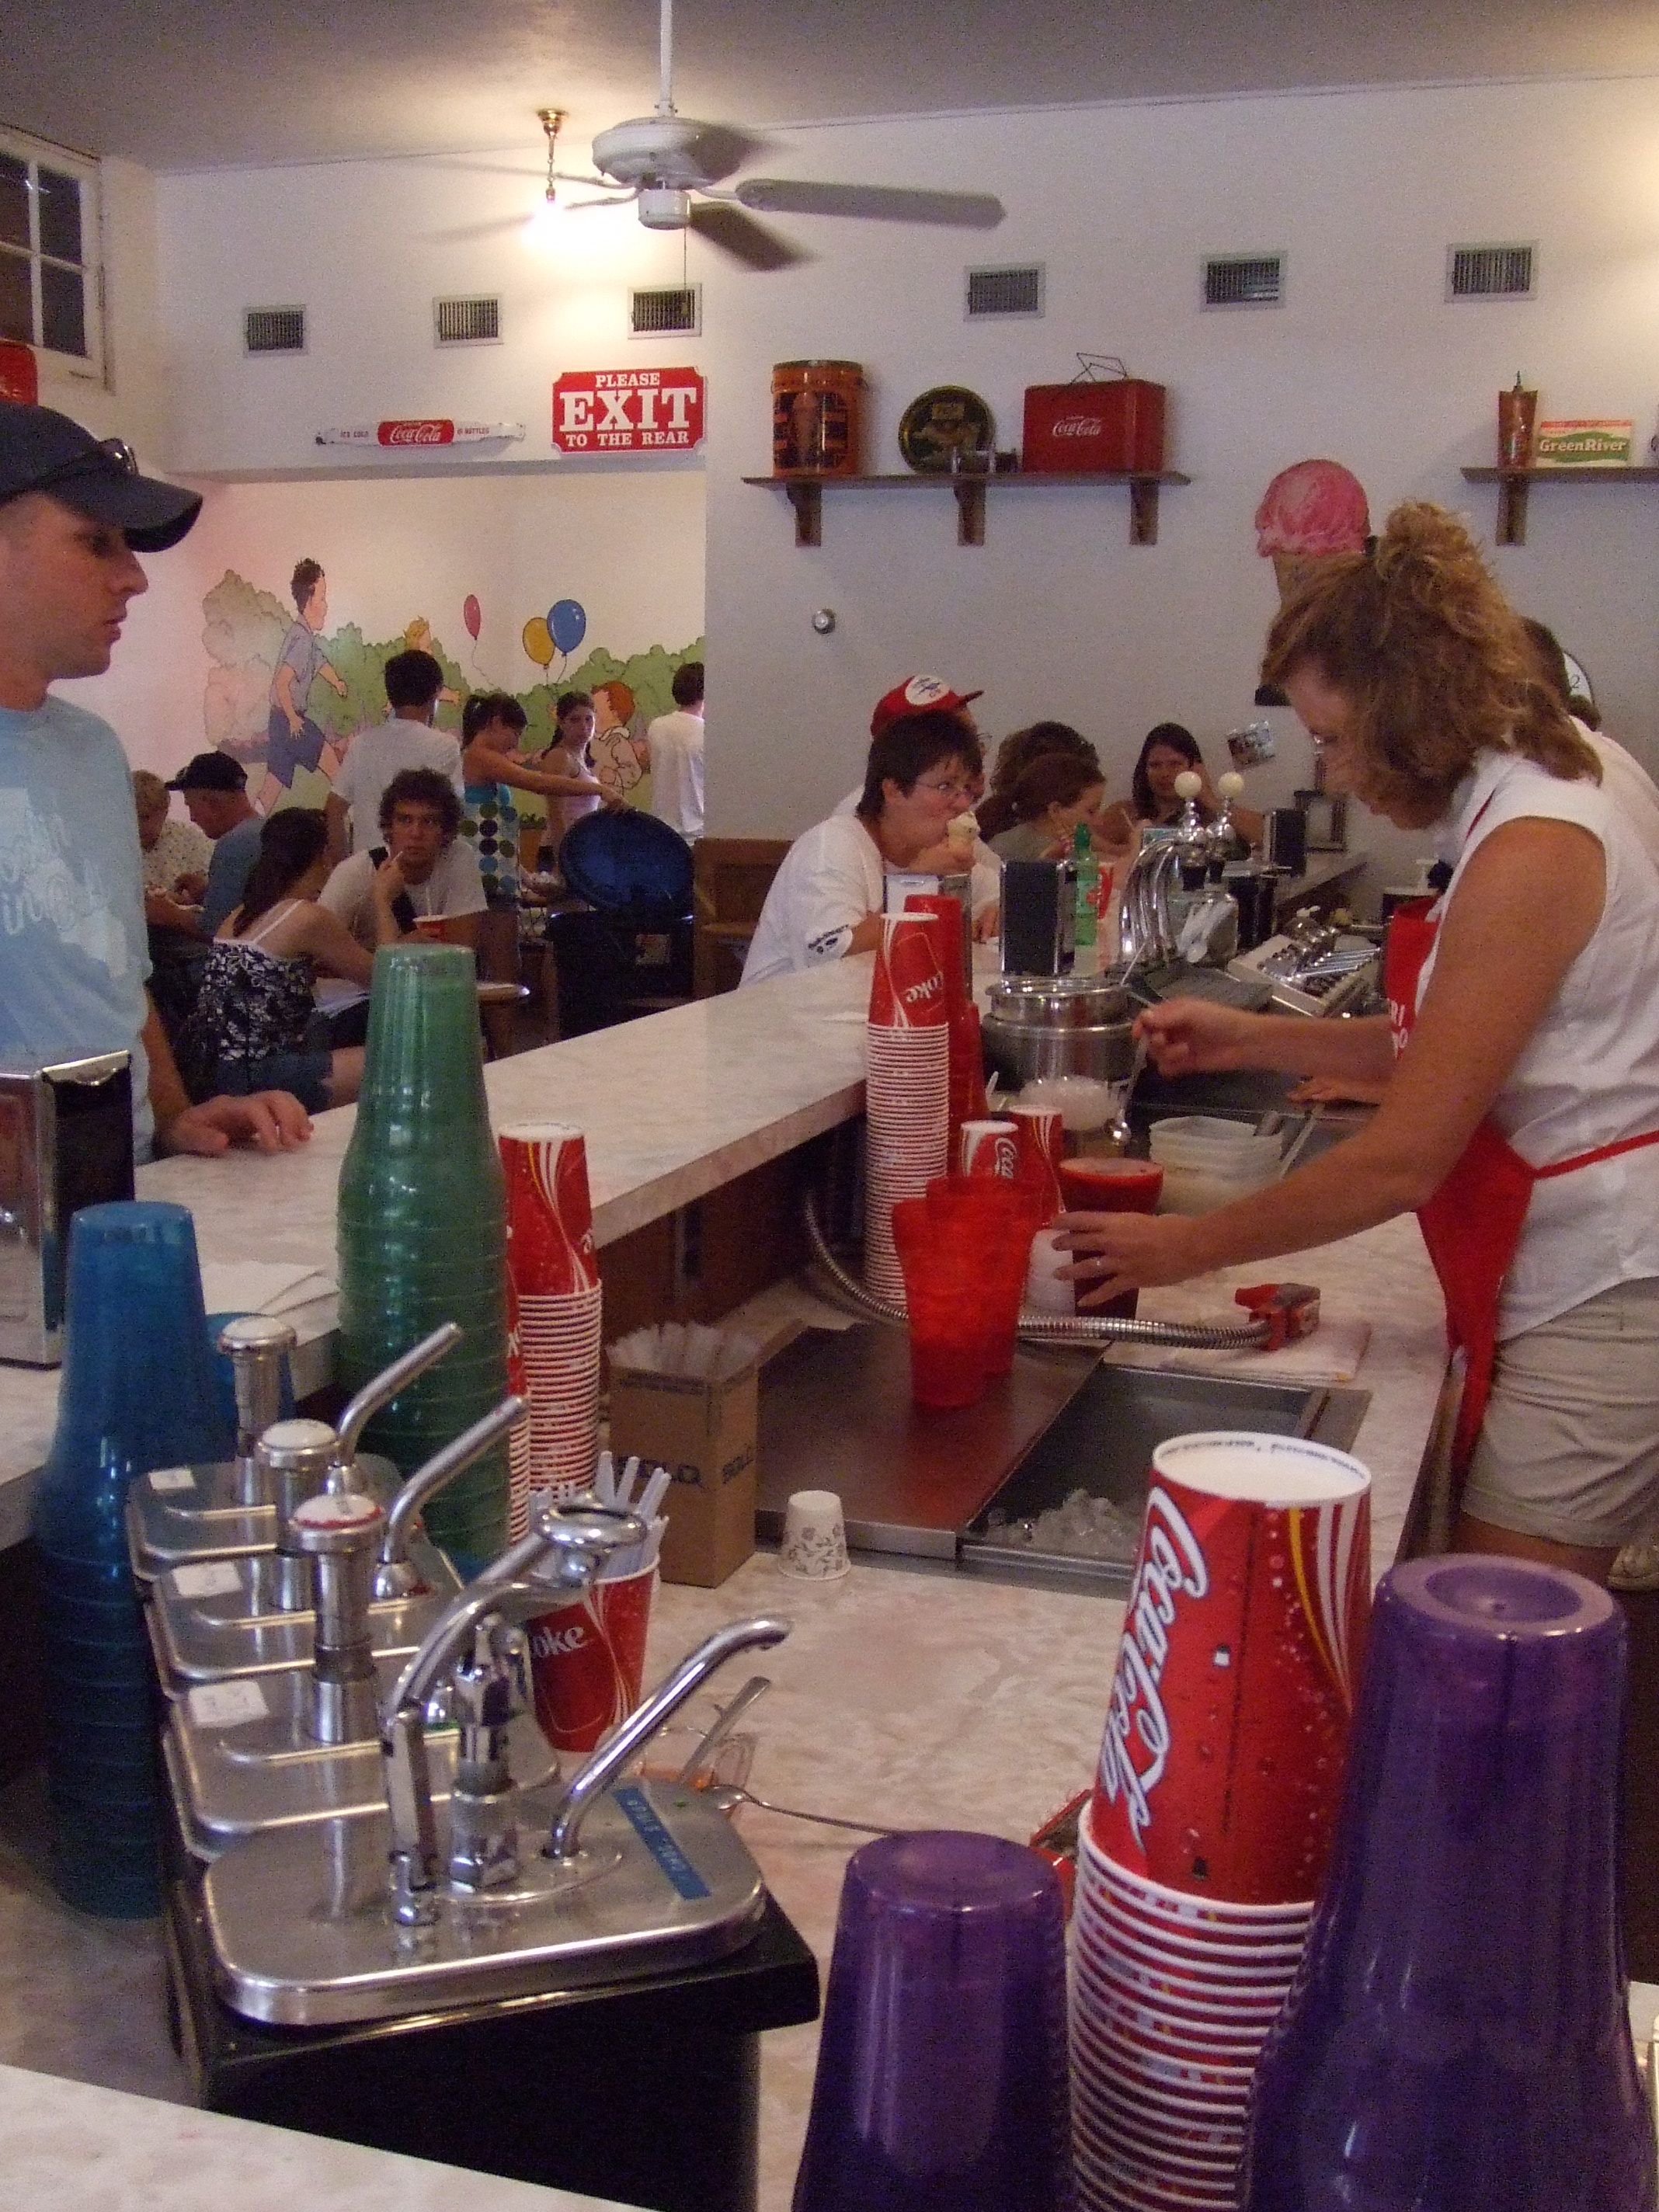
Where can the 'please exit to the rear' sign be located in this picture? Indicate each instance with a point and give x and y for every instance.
(626, 411)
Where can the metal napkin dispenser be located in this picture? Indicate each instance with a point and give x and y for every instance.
(66, 1142)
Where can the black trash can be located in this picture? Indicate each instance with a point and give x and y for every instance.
(627, 952)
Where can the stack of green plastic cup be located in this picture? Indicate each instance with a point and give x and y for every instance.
(422, 1235)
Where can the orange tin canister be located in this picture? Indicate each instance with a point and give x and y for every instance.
(816, 416)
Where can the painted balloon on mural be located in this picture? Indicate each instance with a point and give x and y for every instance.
(539, 641)
(472, 615)
(567, 620)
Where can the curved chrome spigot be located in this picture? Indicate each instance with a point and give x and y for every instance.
(607, 1763)
(381, 1389)
(578, 1538)
(395, 1576)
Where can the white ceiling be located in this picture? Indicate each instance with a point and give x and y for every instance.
(182, 84)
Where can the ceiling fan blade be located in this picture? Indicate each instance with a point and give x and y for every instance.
(871, 203)
(746, 240)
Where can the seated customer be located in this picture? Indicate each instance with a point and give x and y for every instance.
(1055, 794)
(1015, 755)
(1169, 752)
(424, 867)
(826, 899)
(176, 855)
(215, 790)
(248, 1030)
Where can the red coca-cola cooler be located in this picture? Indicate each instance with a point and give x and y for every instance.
(1103, 419)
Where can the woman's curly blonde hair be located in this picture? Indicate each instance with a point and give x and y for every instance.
(1419, 638)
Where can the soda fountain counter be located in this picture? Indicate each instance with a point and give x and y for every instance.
(903, 1697)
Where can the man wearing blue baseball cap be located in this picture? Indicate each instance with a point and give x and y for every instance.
(74, 511)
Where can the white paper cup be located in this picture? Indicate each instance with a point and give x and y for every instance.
(815, 1537)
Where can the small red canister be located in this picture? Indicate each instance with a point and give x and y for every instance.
(818, 417)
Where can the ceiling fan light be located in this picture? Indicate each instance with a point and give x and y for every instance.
(662, 207)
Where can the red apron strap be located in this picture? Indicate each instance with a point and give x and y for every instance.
(1601, 1153)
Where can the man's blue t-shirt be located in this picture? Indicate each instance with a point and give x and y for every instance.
(234, 855)
(74, 956)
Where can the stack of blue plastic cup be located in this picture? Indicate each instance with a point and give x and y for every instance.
(138, 1392)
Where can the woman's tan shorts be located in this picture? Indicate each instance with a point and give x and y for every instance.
(1569, 1450)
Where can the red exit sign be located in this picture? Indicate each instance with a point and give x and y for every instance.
(626, 411)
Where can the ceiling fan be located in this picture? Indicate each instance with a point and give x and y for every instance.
(670, 169)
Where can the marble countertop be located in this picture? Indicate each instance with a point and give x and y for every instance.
(672, 1106)
(77, 2148)
(901, 1697)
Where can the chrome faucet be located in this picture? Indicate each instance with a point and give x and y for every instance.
(608, 1762)
(563, 1552)
(396, 1575)
(1149, 934)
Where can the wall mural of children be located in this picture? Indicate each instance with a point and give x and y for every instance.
(619, 751)
(293, 740)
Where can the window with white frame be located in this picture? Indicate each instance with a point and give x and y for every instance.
(49, 263)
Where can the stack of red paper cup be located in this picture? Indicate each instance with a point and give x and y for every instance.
(1042, 1138)
(521, 1481)
(555, 1279)
(908, 1096)
(967, 1050)
(1214, 1806)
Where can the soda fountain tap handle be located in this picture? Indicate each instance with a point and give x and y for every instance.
(256, 1345)
(395, 1576)
(340, 1532)
(608, 1762)
(383, 1388)
(578, 1537)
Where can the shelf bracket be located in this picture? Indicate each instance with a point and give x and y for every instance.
(970, 509)
(1512, 510)
(807, 500)
(1143, 511)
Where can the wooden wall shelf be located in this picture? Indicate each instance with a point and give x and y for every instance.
(1513, 484)
(805, 495)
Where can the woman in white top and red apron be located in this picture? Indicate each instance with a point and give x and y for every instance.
(1520, 1051)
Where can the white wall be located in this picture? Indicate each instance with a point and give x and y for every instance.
(1057, 614)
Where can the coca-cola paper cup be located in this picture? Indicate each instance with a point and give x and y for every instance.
(1227, 1723)
(1041, 1148)
(588, 1660)
(989, 1148)
(550, 1213)
(908, 989)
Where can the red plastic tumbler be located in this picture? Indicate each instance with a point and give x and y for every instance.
(946, 1301)
(1112, 1186)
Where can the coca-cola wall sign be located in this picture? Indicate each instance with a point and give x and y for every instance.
(628, 411)
(404, 431)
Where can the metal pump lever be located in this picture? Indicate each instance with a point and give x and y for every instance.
(608, 1762)
(381, 1389)
(396, 1575)
(578, 1537)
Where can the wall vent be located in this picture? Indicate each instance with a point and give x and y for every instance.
(676, 312)
(1492, 273)
(466, 322)
(274, 329)
(1004, 292)
(1244, 280)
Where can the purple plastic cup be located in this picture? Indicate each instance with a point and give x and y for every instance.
(1457, 2039)
(941, 2079)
